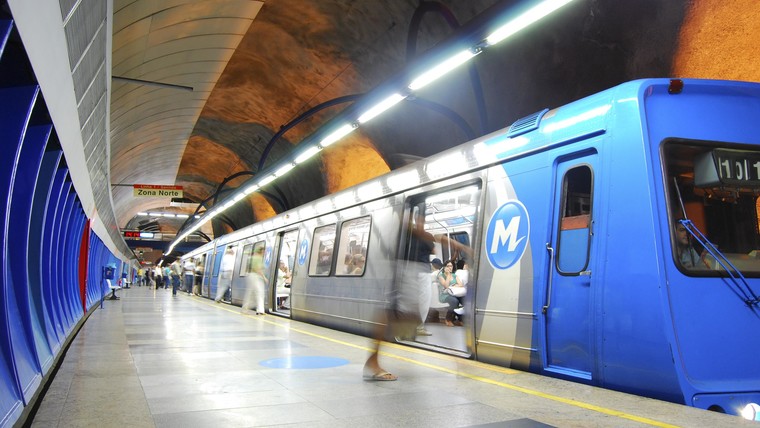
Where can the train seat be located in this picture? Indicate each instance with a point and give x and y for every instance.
(435, 303)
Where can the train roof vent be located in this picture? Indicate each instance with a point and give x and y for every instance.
(526, 124)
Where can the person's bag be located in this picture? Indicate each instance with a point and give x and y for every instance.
(456, 291)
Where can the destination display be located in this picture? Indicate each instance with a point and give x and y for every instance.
(136, 234)
(726, 167)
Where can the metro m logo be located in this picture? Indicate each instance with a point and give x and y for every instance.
(506, 238)
(506, 235)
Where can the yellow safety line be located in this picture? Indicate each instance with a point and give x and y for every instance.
(528, 391)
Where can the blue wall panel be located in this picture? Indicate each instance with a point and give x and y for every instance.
(49, 283)
(5, 31)
(63, 261)
(25, 187)
(14, 115)
(28, 329)
(42, 192)
(42, 297)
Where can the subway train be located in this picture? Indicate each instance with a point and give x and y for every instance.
(613, 241)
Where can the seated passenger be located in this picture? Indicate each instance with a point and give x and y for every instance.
(357, 264)
(447, 279)
(685, 253)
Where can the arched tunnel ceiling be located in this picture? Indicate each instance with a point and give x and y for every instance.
(256, 66)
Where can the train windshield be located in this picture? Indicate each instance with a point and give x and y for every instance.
(715, 186)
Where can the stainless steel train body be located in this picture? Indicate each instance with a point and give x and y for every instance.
(576, 269)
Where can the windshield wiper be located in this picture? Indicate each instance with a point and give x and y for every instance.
(742, 288)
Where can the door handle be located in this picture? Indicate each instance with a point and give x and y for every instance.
(549, 288)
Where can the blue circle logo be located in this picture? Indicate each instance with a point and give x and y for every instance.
(303, 251)
(507, 235)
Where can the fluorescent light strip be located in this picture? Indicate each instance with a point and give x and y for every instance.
(303, 157)
(266, 180)
(380, 107)
(441, 69)
(532, 15)
(284, 170)
(337, 135)
(250, 189)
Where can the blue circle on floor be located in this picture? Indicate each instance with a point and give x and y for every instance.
(304, 362)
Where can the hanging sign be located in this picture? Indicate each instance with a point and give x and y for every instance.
(154, 190)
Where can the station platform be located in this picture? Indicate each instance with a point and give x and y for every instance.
(153, 360)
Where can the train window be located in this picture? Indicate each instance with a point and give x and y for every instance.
(450, 216)
(716, 186)
(321, 258)
(217, 260)
(249, 255)
(575, 223)
(352, 247)
(244, 264)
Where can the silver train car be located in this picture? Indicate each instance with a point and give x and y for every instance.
(565, 222)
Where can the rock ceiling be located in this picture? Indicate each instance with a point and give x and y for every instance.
(256, 66)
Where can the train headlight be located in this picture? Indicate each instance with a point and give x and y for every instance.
(751, 412)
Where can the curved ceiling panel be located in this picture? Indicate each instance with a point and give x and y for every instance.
(167, 57)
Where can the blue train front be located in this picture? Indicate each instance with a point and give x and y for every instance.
(616, 189)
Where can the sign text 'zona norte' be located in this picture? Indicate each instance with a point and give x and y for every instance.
(154, 190)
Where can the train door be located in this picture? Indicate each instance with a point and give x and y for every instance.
(567, 310)
(200, 268)
(208, 262)
(449, 217)
(287, 243)
(215, 263)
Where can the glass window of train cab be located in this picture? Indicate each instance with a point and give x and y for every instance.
(715, 185)
(574, 234)
(322, 245)
(352, 247)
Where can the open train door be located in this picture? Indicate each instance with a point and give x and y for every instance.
(283, 265)
(567, 311)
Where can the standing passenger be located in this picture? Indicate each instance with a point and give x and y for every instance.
(225, 274)
(403, 317)
(176, 270)
(189, 270)
(167, 276)
(254, 298)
